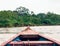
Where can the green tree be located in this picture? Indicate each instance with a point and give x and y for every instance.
(22, 10)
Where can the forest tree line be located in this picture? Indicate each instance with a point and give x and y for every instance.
(23, 17)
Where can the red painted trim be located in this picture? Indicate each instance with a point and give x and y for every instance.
(32, 42)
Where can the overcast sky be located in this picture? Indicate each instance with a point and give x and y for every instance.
(38, 6)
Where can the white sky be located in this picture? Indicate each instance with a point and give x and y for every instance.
(38, 6)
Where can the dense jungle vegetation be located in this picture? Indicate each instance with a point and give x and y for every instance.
(23, 17)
